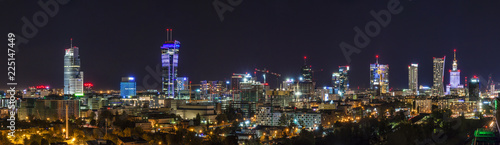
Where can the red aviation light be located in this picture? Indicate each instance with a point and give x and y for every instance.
(88, 85)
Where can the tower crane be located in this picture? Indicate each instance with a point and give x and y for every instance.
(266, 71)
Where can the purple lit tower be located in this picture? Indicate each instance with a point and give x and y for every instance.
(451, 89)
(169, 63)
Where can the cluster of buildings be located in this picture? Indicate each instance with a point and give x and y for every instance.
(294, 101)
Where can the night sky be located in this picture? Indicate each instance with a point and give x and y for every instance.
(118, 38)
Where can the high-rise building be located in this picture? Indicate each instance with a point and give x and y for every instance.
(474, 86)
(73, 77)
(379, 77)
(341, 80)
(438, 76)
(182, 83)
(454, 87)
(336, 82)
(127, 87)
(169, 63)
(413, 78)
(306, 72)
(235, 81)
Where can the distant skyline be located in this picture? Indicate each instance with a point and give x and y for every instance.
(122, 39)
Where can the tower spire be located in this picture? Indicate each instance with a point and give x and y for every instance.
(376, 56)
(455, 54)
(71, 42)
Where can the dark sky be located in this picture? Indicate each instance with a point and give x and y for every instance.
(122, 38)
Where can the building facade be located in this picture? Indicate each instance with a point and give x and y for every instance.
(169, 64)
(379, 77)
(438, 76)
(341, 80)
(73, 77)
(127, 87)
(413, 78)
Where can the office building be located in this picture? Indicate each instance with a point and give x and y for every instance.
(379, 77)
(73, 77)
(306, 72)
(169, 63)
(438, 76)
(413, 78)
(127, 87)
(341, 80)
(474, 86)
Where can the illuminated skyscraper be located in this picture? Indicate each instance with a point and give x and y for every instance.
(169, 63)
(73, 77)
(127, 87)
(474, 86)
(341, 80)
(452, 88)
(438, 76)
(413, 78)
(336, 82)
(306, 72)
(182, 83)
(379, 77)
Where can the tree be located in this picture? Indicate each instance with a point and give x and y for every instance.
(93, 122)
(221, 117)
(284, 120)
(92, 115)
(127, 132)
(197, 120)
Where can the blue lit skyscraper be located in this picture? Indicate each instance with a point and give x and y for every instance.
(379, 77)
(127, 87)
(169, 63)
(182, 83)
(341, 80)
(73, 77)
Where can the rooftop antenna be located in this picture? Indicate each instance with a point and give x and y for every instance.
(71, 43)
(305, 62)
(455, 54)
(376, 56)
(167, 36)
(170, 35)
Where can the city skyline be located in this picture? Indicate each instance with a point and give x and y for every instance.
(137, 56)
(238, 72)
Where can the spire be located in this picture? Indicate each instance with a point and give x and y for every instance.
(305, 57)
(376, 56)
(455, 62)
(71, 42)
(455, 54)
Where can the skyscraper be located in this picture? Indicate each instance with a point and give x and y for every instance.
(336, 82)
(474, 86)
(438, 76)
(413, 78)
(379, 77)
(169, 63)
(73, 77)
(127, 87)
(306, 72)
(341, 80)
(452, 88)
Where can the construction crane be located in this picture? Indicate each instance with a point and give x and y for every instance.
(265, 71)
